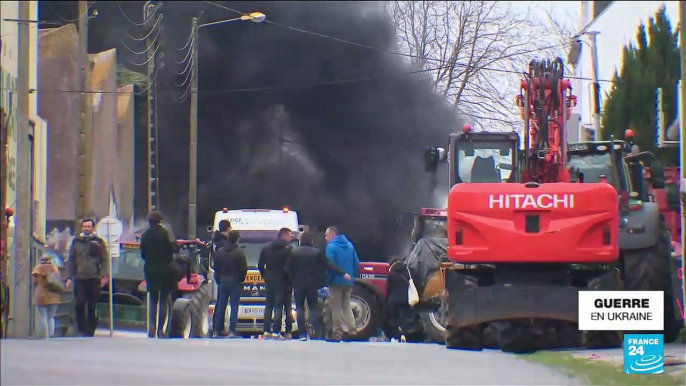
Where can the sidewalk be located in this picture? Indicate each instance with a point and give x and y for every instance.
(105, 332)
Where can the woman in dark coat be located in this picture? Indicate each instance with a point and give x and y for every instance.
(399, 309)
(157, 250)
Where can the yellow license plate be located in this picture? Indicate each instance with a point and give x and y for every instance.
(253, 278)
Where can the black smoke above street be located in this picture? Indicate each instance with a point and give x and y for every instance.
(348, 154)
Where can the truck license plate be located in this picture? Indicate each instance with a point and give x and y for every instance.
(252, 311)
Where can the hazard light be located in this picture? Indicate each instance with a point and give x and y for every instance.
(467, 128)
(285, 209)
(225, 210)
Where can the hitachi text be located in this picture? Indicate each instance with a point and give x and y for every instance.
(531, 201)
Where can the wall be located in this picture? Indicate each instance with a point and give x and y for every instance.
(105, 130)
(58, 49)
(9, 65)
(8, 69)
(40, 192)
(617, 26)
(125, 173)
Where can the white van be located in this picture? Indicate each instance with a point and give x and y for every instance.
(257, 227)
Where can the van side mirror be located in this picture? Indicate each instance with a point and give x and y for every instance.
(657, 174)
(209, 229)
(432, 156)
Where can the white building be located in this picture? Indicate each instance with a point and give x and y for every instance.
(616, 23)
(9, 65)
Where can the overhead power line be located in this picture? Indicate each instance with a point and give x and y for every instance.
(428, 59)
(68, 20)
(121, 10)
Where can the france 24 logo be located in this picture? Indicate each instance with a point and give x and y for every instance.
(644, 354)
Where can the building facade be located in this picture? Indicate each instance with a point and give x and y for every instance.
(616, 23)
(16, 272)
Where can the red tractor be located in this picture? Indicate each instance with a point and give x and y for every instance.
(522, 245)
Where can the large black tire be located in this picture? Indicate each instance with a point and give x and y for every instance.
(366, 310)
(517, 337)
(434, 330)
(649, 269)
(189, 315)
(466, 338)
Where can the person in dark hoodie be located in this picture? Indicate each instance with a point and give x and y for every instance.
(399, 310)
(306, 268)
(231, 266)
(88, 269)
(272, 264)
(220, 236)
(157, 250)
(342, 254)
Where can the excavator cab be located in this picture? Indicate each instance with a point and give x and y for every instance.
(478, 157)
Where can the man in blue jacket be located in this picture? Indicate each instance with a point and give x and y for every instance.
(343, 255)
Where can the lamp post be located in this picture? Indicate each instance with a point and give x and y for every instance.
(255, 17)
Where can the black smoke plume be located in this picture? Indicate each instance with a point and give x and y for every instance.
(348, 154)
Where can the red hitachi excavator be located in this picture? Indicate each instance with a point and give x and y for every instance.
(522, 245)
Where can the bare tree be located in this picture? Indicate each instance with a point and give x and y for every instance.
(473, 50)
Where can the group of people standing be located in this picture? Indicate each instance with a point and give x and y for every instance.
(87, 271)
(300, 271)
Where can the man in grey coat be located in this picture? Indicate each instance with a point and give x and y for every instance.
(88, 270)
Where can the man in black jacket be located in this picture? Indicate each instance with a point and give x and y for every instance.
(307, 267)
(272, 264)
(220, 236)
(231, 266)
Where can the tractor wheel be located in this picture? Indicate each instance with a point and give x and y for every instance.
(569, 336)
(189, 315)
(490, 337)
(180, 318)
(199, 305)
(602, 339)
(367, 313)
(517, 337)
(434, 326)
(465, 338)
(649, 269)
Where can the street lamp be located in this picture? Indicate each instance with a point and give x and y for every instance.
(255, 17)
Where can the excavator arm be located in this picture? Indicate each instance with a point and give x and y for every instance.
(545, 102)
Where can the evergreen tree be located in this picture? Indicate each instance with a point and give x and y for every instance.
(654, 62)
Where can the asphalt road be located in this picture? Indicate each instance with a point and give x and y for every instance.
(140, 361)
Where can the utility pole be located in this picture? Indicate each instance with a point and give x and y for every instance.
(84, 201)
(20, 306)
(595, 115)
(193, 164)
(153, 191)
(682, 126)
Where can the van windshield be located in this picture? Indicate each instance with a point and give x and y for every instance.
(252, 250)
